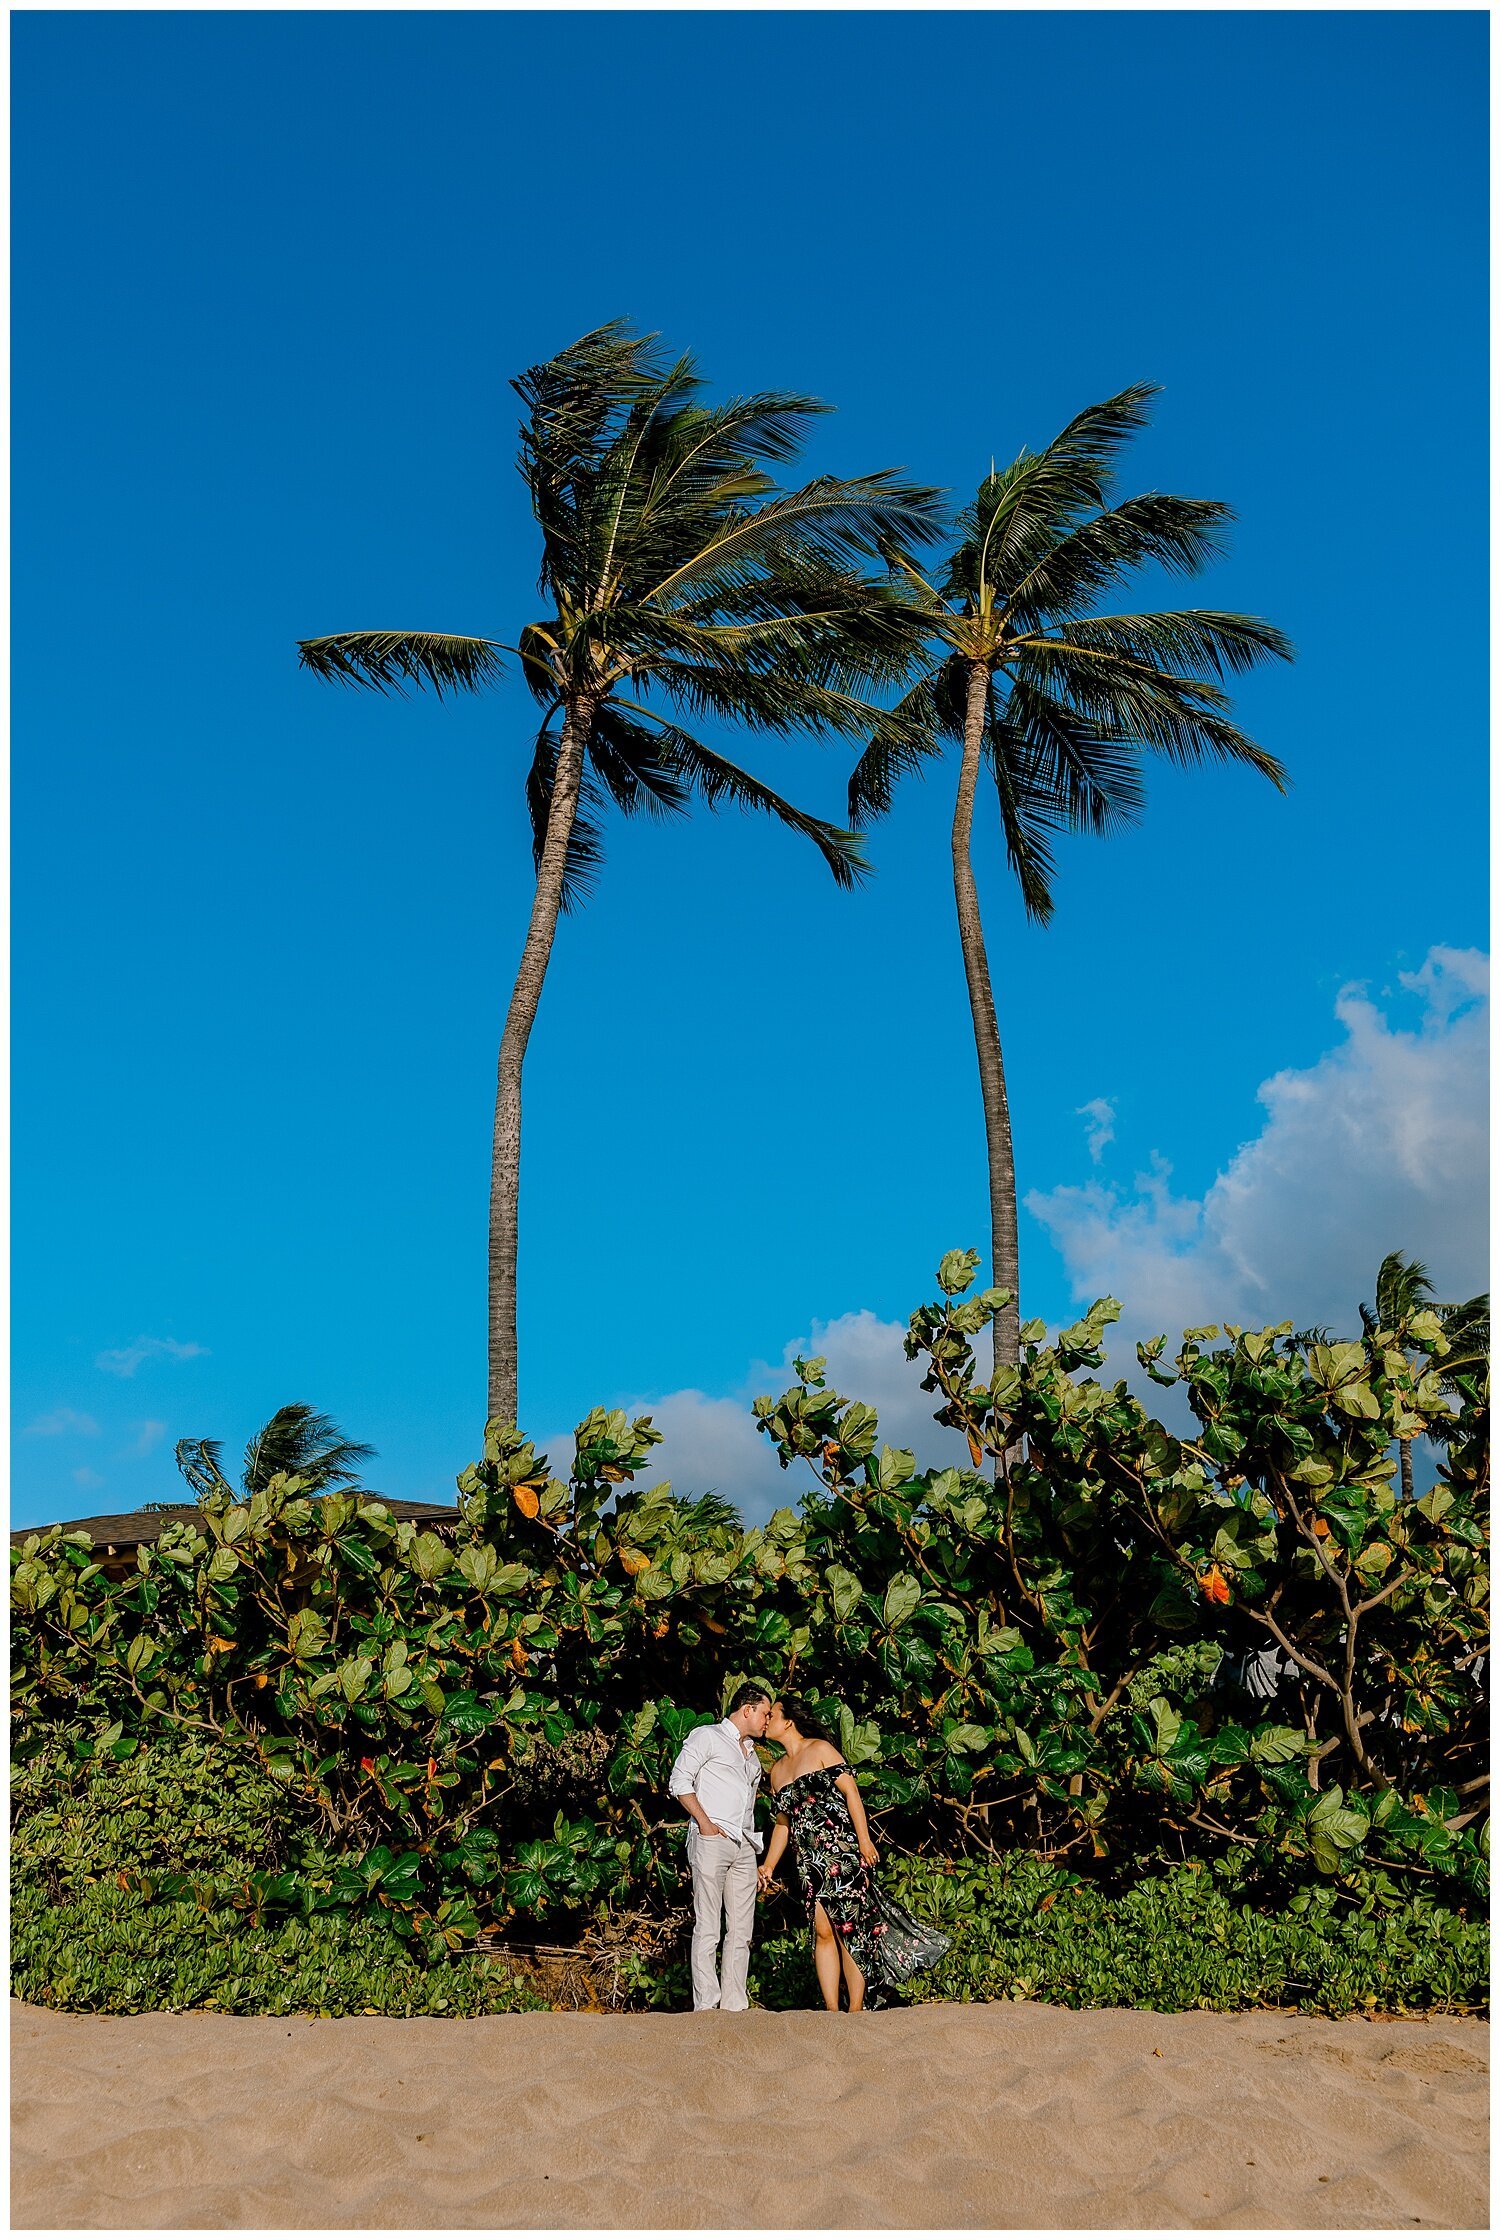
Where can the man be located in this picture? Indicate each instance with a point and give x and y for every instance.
(715, 1779)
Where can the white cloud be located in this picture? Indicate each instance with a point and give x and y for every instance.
(123, 1361)
(87, 1479)
(1381, 1145)
(148, 1436)
(710, 1442)
(1100, 1114)
(62, 1423)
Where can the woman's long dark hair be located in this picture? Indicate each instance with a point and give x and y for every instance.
(805, 1719)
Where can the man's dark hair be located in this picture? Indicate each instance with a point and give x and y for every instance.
(748, 1691)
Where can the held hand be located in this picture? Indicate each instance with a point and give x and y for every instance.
(868, 1852)
(764, 1877)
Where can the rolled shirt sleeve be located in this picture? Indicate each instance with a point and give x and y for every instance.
(689, 1762)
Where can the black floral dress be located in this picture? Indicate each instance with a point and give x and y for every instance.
(885, 1942)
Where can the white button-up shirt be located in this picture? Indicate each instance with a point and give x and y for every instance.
(722, 1770)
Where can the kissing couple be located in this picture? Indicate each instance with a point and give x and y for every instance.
(863, 1943)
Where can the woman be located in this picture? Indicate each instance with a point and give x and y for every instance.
(858, 1931)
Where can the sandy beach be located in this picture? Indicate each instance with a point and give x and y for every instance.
(943, 2116)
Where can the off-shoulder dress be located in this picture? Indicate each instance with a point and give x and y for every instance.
(885, 1942)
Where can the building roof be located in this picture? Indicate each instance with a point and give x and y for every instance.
(140, 1525)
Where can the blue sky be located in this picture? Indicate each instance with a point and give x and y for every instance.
(272, 275)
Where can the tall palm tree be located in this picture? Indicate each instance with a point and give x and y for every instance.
(1403, 1290)
(296, 1441)
(1057, 701)
(682, 583)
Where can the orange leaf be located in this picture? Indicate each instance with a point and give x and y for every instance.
(431, 1767)
(612, 1473)
(1214, 1584)
(518, 1654)
(634, 1561)
(217, 1641)
(714, 1626)
(1320, 1527)
(1049, 1901)
(526, 1499)
(976, 1451)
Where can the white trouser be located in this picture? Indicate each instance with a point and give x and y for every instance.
(723, 1898)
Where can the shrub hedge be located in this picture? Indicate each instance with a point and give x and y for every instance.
(98, 1846)
(1024, 1929)
(1105, 1645)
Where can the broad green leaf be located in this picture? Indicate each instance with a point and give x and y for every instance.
(956, 1271)
(1276, 1746)
(844, 1590)
(901, 1599)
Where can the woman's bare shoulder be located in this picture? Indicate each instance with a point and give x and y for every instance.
(822, 1755)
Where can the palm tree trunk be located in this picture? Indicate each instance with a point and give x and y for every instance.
(505, 1158)
(1004, 1242)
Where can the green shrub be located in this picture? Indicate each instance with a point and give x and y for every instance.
(1024, 1930)
(182, 1804)
(98, 1843)
(1104, 1642)
(105, 1950)
(152, 1882)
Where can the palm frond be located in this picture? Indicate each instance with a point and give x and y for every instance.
(627, 758)
(717, 780)
(1466, 1326)
(390, 660)
(1058, 577)
(1402, 1288)
(1185, 641)
(198, 1460)
(574, 403)
(1183, 718)
(840, 522)
(1029, 817)
(1086, 774)
(1022, 511)
(906, 739)
(299, 1442)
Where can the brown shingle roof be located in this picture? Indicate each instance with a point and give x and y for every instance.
(140, 1525)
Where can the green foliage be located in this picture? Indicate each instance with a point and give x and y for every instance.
(1071, 699)
(1026, 1929)
(113, 1951)
(1104, 1644)
(149, 1882)
(682, 583)
(295, 1441)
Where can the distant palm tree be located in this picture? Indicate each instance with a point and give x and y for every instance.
(681, 582)
(297, 1441)
(1403, 1290)
(1057, 701)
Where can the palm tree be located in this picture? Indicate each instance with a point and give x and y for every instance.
(682, 583)
(1057, 701)
(1403, 1290)
(296, 1442)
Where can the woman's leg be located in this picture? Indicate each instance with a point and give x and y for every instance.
(826, 1959)
(854, 1979)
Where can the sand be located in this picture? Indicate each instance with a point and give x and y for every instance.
(945, 2116)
